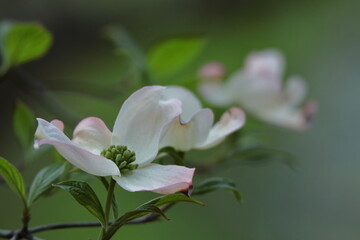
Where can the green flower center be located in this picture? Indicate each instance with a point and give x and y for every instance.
(122, 157)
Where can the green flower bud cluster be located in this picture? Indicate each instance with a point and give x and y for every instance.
(122, 156)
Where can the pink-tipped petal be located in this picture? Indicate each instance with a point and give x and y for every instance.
(59, 124)
(48, 133)
(46, 130)
(185, 136)
(157, 178)
(212, 71)
(230, 121)
(92, 134)
(309, 109)
(142, 120)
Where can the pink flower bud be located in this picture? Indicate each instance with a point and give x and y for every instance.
(57, 123)
(212, 70)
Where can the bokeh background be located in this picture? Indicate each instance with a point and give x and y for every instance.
(320, 39)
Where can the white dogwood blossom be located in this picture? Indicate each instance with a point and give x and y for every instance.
(125, 153)
(259, 89)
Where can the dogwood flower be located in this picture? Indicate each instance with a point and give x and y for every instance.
(194, 127)
(259, 89)
(127, 152)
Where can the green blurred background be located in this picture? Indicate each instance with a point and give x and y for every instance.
(320, 39)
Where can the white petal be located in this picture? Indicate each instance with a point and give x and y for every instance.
(185, 136)
(189, 102)
(295, 91)
(157, 178)
(216, 93)
(267, 64)
(230, 121)
(92, 134)
(48, 133)
(141, 122)
(259, 80)
(285, 116)
(46, 130)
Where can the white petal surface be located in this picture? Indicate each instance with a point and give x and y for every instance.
(250, 91)
(141, 122)
(157, 178)
(295, 91)
(259, 79)
(216, 93)
(190, 103)
(267, 64)
(48, 133)
(46, 130)
(185, 136)
(285, 116)
(92, 134)
(230, 121)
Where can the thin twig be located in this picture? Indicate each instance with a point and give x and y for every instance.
(63, 225)
(8, 234)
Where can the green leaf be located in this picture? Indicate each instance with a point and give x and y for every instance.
(139, 212)
(85, 195)
(43, 181)
(172, 198)
(24, 125)
(169, 57)
(13, 178)
(21, 42)
(216, 183)
(150, 207)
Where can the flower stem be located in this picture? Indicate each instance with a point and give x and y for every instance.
(107, 207)
(109, 199)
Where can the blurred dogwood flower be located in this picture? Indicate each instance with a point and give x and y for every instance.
(258, 87)
(194, 127)
(127, 152)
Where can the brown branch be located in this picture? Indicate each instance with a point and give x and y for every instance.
(17, 234)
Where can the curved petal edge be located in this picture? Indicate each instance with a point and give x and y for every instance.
(92, 134)
(142, 121)
(185, 136)
(230, 121)
(48, 133)
(163, 179)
